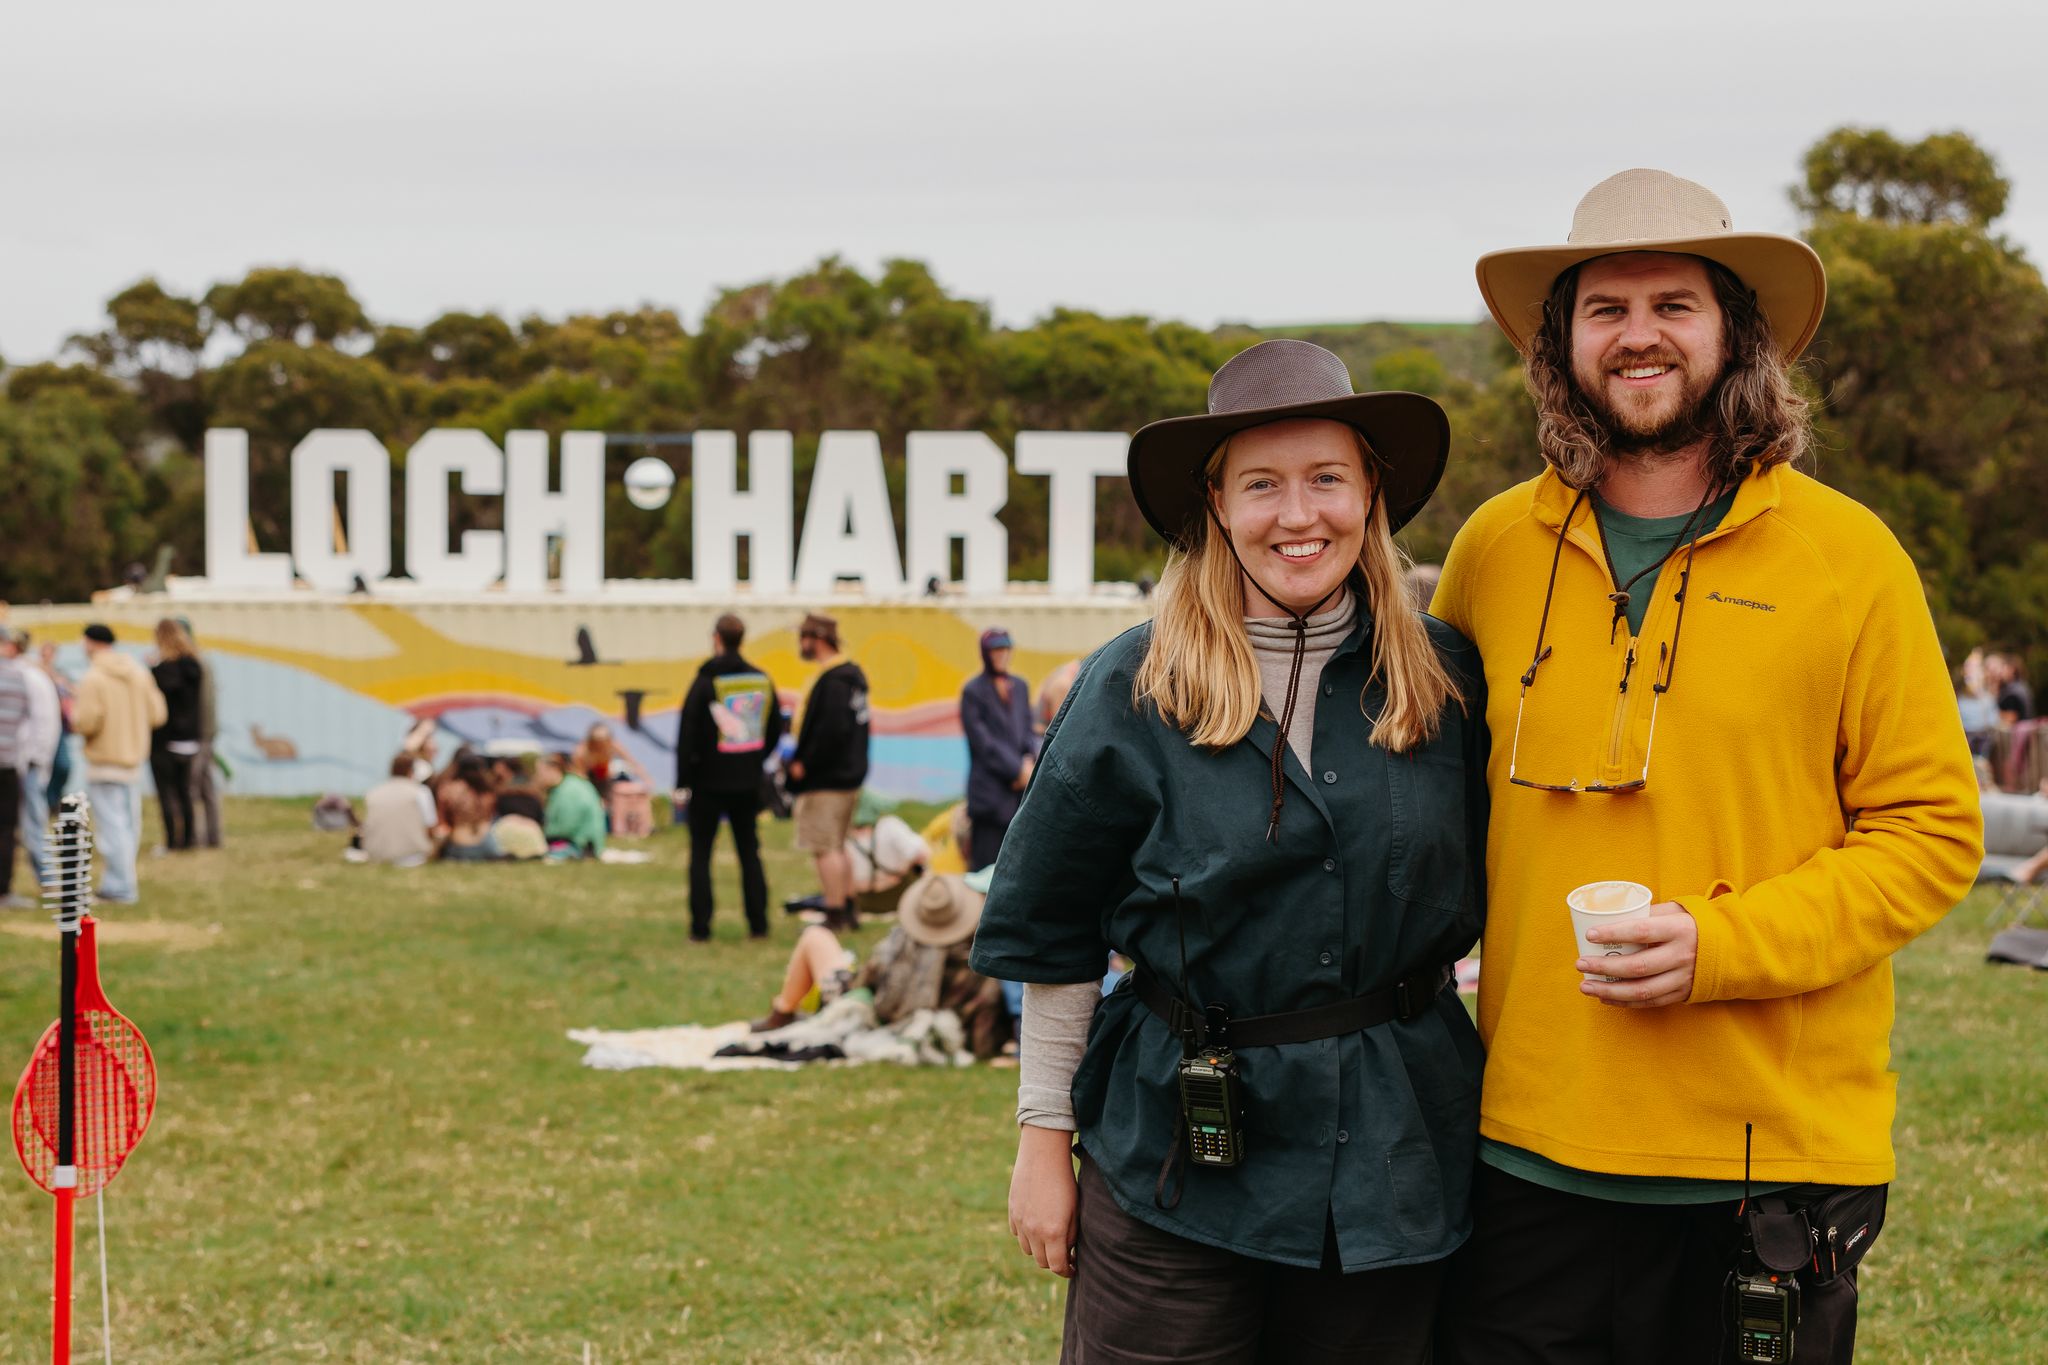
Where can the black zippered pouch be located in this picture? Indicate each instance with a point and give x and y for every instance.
(1820, 1238)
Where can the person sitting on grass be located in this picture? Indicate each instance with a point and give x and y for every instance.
(398, 821)
(513, 782)
(921, 964)
(468, 805)
(521, 810)
(575, 815)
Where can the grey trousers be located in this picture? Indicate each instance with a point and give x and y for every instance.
(1142, 1294)
(205, 797)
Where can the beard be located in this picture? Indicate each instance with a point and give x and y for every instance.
(1639, 430)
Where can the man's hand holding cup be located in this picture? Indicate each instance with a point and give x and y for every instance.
(1633, 953)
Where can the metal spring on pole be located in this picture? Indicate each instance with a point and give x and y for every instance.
(67, 881)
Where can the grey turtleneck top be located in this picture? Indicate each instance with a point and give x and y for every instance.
(1273, 646)
(1054, 1030)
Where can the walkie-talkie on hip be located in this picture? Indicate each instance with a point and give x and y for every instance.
(1763, 1300)
(1211, 1094)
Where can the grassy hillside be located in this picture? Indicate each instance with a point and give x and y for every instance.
(374, 1143)
(1471, 351)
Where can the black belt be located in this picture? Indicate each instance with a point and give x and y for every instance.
(1405, 999)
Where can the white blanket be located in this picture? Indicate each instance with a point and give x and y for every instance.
(925, 1038)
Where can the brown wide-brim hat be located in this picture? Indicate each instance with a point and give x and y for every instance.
(1277, 381)
(939, 909)
(1645, 210)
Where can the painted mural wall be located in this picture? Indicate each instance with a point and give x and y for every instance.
(316, 692)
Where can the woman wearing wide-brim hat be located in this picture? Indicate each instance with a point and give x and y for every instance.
(1272, 799)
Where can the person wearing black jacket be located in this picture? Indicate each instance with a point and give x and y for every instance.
(175, 744)
(731, 721)
(830, 764)
(995, 716)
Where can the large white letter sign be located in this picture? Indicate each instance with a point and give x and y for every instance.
(315, 462)
(935, 513)
(533, 514)
(848, 530)
(229, 563)
(1075, 460)
(439, 453)
(721, 514)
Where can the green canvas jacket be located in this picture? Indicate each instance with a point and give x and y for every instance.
(1377, 872)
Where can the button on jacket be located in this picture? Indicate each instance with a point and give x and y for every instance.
(1376, 873)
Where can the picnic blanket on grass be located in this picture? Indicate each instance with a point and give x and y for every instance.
(844, 1031)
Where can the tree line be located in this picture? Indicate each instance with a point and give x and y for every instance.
(1930, 373)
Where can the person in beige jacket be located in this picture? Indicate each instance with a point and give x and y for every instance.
(118, 705)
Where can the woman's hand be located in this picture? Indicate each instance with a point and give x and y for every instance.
(1043, 1194)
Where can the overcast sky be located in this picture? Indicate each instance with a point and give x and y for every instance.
(1271, 162)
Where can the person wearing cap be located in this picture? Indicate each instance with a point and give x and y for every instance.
(995, 716)
(830, 763)
(40, 737)
(117, 709)
(1806, 809)
(731, 722)
(1272, 800)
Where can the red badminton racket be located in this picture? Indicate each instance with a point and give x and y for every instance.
(89, 1090)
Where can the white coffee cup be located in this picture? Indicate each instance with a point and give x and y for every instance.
(1599, 903)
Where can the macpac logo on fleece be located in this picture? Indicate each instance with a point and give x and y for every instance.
(1752, 604)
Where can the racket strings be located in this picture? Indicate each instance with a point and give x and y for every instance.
(115, 1096)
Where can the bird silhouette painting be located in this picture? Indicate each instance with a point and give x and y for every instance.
(586, 650)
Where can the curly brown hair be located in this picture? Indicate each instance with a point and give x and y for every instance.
(1754, 418)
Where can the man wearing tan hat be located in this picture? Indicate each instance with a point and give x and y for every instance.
(1792, 787)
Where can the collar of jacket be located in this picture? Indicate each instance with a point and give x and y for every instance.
(1265, 731)
(1552, 498)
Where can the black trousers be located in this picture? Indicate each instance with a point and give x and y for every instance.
(1141, 1294)
(1564, 1279)
(984, 842)
(173, 776)
(10, 825)
(741, 810)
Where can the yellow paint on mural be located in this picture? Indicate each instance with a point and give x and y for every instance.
(914, 655)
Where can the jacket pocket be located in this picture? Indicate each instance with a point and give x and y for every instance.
(1417, 1187)
(1430, 859)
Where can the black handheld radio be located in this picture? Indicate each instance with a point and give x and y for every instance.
(1212, 1107)
(1211, 1094)
(1763, 1303)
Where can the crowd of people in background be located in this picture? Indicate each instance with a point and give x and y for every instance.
(155, 713)
(2000, 719)
(483, 807)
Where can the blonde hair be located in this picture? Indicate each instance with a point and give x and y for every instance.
(1199, 671)
(173, 641)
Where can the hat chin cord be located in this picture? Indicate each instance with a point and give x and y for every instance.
(1299, 619)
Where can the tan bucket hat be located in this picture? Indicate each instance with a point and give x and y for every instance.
(1644, 210)
(939, 909)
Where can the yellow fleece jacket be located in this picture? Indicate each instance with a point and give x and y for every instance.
(1811, 804)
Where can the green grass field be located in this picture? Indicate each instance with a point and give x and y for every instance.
(373, 1142)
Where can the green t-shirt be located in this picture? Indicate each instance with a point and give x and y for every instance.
(575, 813)
(1621, 1189)
(1635, 543)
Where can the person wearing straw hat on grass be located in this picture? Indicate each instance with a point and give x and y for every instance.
(1715, 677)
(1272, 800)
